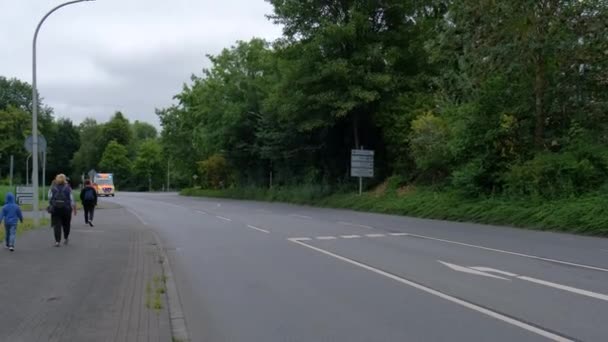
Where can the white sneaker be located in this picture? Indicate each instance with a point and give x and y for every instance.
(12, 249)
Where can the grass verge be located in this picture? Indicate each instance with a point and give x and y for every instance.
(585, 214)
(27, 225)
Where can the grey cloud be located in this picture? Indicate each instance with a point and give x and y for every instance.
(128, 55)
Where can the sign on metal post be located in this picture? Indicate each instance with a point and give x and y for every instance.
(25, 194)
(362, 165)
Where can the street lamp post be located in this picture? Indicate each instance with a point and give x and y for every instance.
(35, 109)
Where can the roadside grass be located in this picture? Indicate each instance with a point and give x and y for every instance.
(155, 290)
(584, 214)
(27, 225)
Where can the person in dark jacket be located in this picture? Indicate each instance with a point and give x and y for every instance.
(88, 198)
(61, 205)
(11, 214)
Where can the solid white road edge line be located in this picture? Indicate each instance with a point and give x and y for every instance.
(442, 295)
(138, 217)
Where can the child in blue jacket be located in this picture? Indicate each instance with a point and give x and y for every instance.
(11, 214)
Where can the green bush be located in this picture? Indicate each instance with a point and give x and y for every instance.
(467, 178)
(214, 172)
(555, 175)
(429, 143)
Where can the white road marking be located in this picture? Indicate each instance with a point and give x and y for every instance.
(202, 212)
(398, 234)
(138, 217)
(566, 288)
(301, 216)
(546, 283)
(493, 270)
(442, 295)
(375, 235)
(259, 229)
(325, 237)
(512, 253)
(223, 218)
(299, 239)
(469, 270)
(350, 236)
(355, 225)
(604, 250)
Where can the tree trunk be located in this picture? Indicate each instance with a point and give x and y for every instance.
(539, 94)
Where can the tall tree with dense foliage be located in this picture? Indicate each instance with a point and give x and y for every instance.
(115, 159)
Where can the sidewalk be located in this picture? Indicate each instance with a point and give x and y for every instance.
(106, 285)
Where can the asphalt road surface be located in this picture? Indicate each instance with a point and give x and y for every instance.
(252, 271)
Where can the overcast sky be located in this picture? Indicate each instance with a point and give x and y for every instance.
(95, 58)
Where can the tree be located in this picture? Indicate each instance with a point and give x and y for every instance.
(15, 125)
(63, 143)
(89, 154)
(149, 167)
(118, 129)
(143, 131)
(18, 94)
(116, 160)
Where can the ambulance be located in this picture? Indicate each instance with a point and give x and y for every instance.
(104, 183)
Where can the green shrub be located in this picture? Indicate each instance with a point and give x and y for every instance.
(555, 175)
(429, 143)
(214, 171)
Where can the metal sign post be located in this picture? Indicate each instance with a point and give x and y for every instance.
(361, 165)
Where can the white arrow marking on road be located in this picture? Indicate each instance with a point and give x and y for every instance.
(326, 237)
(469, 270)
(493, 270)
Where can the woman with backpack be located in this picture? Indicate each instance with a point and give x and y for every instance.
(88, 197)
(61, 205)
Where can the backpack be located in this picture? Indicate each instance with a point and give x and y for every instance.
(61, 198)
(88, 195)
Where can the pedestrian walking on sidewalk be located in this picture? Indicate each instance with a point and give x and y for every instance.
(88, 197)
(11, 214)
(61, 207)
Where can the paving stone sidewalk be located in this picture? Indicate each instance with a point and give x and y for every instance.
(106, 285)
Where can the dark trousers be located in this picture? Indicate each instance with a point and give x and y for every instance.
(61, 219)
(89, 211)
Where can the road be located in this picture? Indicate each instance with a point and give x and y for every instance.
(252, 271)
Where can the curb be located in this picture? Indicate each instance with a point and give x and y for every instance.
(179, 329)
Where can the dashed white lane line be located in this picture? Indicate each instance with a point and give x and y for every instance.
(375, 235)
(300, 239)
(202, 212)
(482, 310)
(325, 238)
(557, 261)
(258, 229)
(223, 218)
(301, 216)
(355, 225)
(398, 234)
(350, 236)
